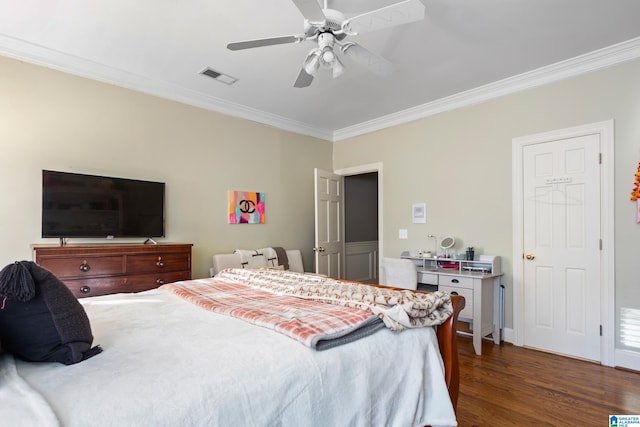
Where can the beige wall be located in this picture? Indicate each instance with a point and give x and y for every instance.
(51, 120)
(459, 163)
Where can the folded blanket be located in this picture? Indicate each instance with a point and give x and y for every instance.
(398, 309)
(314, 324)
(283, 259)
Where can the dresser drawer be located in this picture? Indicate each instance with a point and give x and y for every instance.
(99, 286)
(142, 282)
(74, 266)
(112, 285)
(458, 282)
(149, 263)
(427, 278)
(467, 311)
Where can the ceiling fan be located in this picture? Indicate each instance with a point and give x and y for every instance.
(328, 28)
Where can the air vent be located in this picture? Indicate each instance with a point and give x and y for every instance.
(630, 327)
(217, 75)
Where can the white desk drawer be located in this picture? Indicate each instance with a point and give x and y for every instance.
(467, 312)
(427, 278)
(459, 282)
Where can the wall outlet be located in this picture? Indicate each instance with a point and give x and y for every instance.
(403, 233)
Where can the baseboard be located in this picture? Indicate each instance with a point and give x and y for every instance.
(627, 359)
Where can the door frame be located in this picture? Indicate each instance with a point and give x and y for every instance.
(368, 168)
(605, 130)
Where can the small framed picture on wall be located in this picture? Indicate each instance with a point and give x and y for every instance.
(419, 213)
(246, 207)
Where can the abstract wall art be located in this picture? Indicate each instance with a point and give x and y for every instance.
(246, 207)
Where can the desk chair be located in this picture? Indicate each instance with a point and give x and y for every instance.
(399, 273)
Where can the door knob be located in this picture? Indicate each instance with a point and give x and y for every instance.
(529, 256)
(319, 249)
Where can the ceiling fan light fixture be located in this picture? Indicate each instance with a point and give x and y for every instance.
(338, 68)
(312, 63)
(328, 57)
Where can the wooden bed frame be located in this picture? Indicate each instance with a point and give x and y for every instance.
(447, 340)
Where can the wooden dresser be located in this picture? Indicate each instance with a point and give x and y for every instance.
(90, 270)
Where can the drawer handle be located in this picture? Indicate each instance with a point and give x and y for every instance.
(160, 281)
(454, 293)
(159, 263)
(85, 266)
(85, 289)
(455, 281)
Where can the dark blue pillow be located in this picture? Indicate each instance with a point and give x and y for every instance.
(40, 319)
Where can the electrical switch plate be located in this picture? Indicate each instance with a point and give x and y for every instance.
(403, 234)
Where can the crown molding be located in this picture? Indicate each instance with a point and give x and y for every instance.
(599, 59)
(60, 61)
(592, 61)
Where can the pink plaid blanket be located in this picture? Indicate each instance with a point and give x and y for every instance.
(398, 308)
(313, 309)
(312, 323)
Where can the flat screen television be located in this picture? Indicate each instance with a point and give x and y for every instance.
(77, 205)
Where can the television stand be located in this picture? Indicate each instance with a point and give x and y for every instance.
(150, 241)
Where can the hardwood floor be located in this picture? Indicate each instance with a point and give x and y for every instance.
(514, 386)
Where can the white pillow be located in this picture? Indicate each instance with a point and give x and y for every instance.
(251, 258)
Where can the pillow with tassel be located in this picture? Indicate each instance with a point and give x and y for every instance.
(40, 319)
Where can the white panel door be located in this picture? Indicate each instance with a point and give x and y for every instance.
(561, 194)
(329, 243)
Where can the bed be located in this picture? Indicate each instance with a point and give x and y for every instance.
(168, 362)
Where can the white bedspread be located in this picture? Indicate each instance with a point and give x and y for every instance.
(20, 404)
(170, 363)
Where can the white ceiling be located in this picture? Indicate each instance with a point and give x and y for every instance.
(462, 52)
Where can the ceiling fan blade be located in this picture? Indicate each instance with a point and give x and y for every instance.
(311, 10)
(365, 57)
(303, 80)
(249, 44)
(385, 17)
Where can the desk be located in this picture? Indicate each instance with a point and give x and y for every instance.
(481, 290)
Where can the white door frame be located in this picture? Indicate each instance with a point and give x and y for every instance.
(371, 167)
(607, 279)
